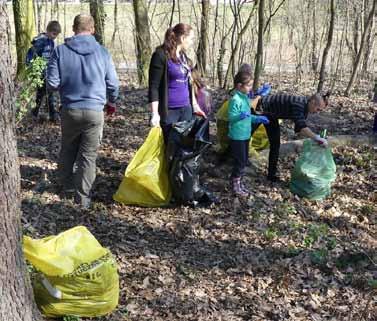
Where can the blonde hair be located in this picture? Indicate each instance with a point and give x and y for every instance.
(82, 23)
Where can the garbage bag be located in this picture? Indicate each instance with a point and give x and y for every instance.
(259, 139)
(75, 274)
(314, 172)
(146, 181)
(187, 141)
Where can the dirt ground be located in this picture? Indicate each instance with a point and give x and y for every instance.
(273, 256)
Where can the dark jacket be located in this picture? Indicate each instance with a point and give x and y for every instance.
(158, 81)
(42, 46)
(283, 106)
(83, 72)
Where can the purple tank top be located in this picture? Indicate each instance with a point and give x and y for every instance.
(178, 86)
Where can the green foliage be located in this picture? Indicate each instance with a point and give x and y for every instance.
(367, 209)
(319, 256)
(373, 284)
(284, 209)
(271, 233)
(314, 233)
(32, 81)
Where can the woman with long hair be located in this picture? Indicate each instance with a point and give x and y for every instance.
(170, 92)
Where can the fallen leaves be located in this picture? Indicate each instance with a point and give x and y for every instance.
(272, 256)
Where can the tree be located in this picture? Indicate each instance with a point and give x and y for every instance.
(24, 23)
(203, 41)
(98, 12)
(368, 23)
(143, 40)
(16, 297)
(328, 46)
(259, 55)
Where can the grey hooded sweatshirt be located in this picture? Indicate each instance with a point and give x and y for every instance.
(83, 72)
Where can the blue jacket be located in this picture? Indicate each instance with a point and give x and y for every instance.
(239, 129)
(42, 46)
(84, 73)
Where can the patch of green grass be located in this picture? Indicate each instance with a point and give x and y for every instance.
(367, 209)
(373, 284)
(320, 256)
(285, 209)
(271, 233)
(314, 233)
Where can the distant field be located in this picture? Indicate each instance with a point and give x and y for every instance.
(123, 48)
(281, 49)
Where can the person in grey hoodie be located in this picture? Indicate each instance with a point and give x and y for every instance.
(83, 72)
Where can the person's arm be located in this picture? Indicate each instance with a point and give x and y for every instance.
(234, 111)
(195, 106)
(112, 82)
(156, 73)
(307, 132)
(53, 72)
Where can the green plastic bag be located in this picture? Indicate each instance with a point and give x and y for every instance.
(146, 181)
(76, 275)
(314, 172)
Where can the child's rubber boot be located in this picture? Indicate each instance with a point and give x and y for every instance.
(236, 187)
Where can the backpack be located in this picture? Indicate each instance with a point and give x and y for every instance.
(30, 55)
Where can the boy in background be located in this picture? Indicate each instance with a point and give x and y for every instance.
(43, 46)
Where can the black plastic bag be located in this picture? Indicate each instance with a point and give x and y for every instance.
(187, 141)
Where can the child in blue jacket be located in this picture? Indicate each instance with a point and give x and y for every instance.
(43, 46)
(240, 124)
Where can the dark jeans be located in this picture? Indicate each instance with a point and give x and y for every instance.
(81, 137)
(240, 154)
(51, 100)
(175, 115)
(273, 133)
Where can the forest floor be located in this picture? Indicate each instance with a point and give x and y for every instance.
(273, 256)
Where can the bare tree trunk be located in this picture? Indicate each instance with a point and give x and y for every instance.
(143, 40)
(362, 44)
(314, 57)
(213, 47)
(375, 91)
(172, 14)
(328, 46)
(116, 24)
(259, 55)
(16, 300)
(98, 12)
(369, 48)
(203, 41)
(24, 23)
(237, 46)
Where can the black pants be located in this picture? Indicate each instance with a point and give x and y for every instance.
(175, 115)
(273, 133)
(240, 153)
(51, 100)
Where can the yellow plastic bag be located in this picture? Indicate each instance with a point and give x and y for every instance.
(76, 275)
(146, 181)
(259, 139)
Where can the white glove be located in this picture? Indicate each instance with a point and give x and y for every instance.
(321, 141)
(155, 120)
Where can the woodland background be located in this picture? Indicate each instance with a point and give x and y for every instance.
(273, 256)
